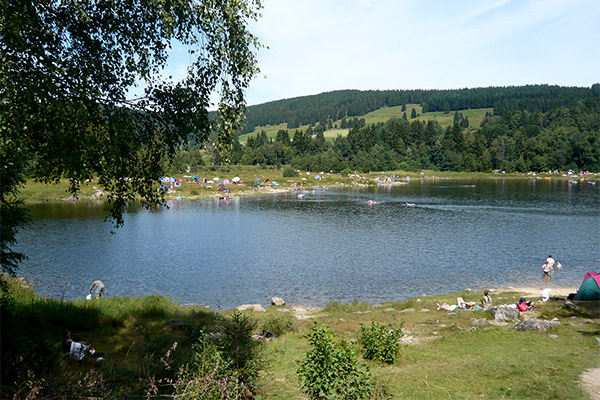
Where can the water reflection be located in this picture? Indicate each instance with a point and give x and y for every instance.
(331, 245)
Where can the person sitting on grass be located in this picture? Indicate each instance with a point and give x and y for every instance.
(486, 301)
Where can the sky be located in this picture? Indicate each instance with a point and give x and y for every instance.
(317, 46)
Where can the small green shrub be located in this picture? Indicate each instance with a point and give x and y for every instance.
(194, 193)
(280, 324)
(208, 376)
(238, 348)
(289, 172)
(380, 342)
(331, 370)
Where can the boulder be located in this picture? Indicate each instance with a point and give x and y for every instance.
(409, 310)
(423, 310)
(535, 325)
(255, 307)
(389, 309)
(277, 301)
(479, 322)
(505, 313)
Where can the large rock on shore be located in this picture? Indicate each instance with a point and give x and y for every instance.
(505, 313)
(277, 301)
(255, 307)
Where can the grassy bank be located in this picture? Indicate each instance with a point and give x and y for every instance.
(39, 192)
(442, 355)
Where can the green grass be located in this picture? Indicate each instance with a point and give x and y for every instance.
(440, 356)
(475, 117)
(34, 192)
(448, 360)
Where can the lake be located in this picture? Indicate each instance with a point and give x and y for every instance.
(332, 245)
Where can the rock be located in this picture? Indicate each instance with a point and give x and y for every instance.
(498, 323)
(552, 336)
(409, 310)
(570, 305)
(467, 290)
(505, 313)
(480, 322)
(277, 301)
(362, 312)
(535, 324)
(255, 307)
(473, 329)
(598, 339)
(389, 310)
(452, 314)
(554, 319)
(378, 305)
(283, 310)
(424, 310)
(418, 300)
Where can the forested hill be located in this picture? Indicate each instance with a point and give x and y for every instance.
(338, 104)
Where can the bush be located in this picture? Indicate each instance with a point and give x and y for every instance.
(331, 370)
(380, 342)
(238, 347)
(209, 375)
(289, 172)
(279, 325)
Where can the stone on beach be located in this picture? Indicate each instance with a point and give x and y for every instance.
(277, 301)
(255, 307)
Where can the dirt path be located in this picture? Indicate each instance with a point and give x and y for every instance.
(591, 382)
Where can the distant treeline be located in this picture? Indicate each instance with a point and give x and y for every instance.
(566, 137)
(334, 106)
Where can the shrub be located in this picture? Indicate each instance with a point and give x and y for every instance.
(289, 172)
(380, 342)
(238, 347)
(331, 369)
(279, 325)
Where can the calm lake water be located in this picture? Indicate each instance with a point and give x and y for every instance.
(332, 245)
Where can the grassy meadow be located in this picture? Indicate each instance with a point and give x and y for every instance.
(442, 354)
(34, 191)
(382, 115)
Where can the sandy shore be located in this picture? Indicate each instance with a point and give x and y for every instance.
(531, 291)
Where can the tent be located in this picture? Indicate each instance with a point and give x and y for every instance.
(590, 287)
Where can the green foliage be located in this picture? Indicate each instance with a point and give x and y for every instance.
(278, 325)
(331, 370)
(238, 348)
(380, 342)
(209, 375)
(65, 76)
(289, 172)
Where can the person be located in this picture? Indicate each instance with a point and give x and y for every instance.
(558, 265)
(66, 343)
(548, 266)
(550, 262)
(486, 301)
(78, 348)
(97, 289)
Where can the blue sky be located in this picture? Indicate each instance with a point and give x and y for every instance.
(316, 46)
(324, 45)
